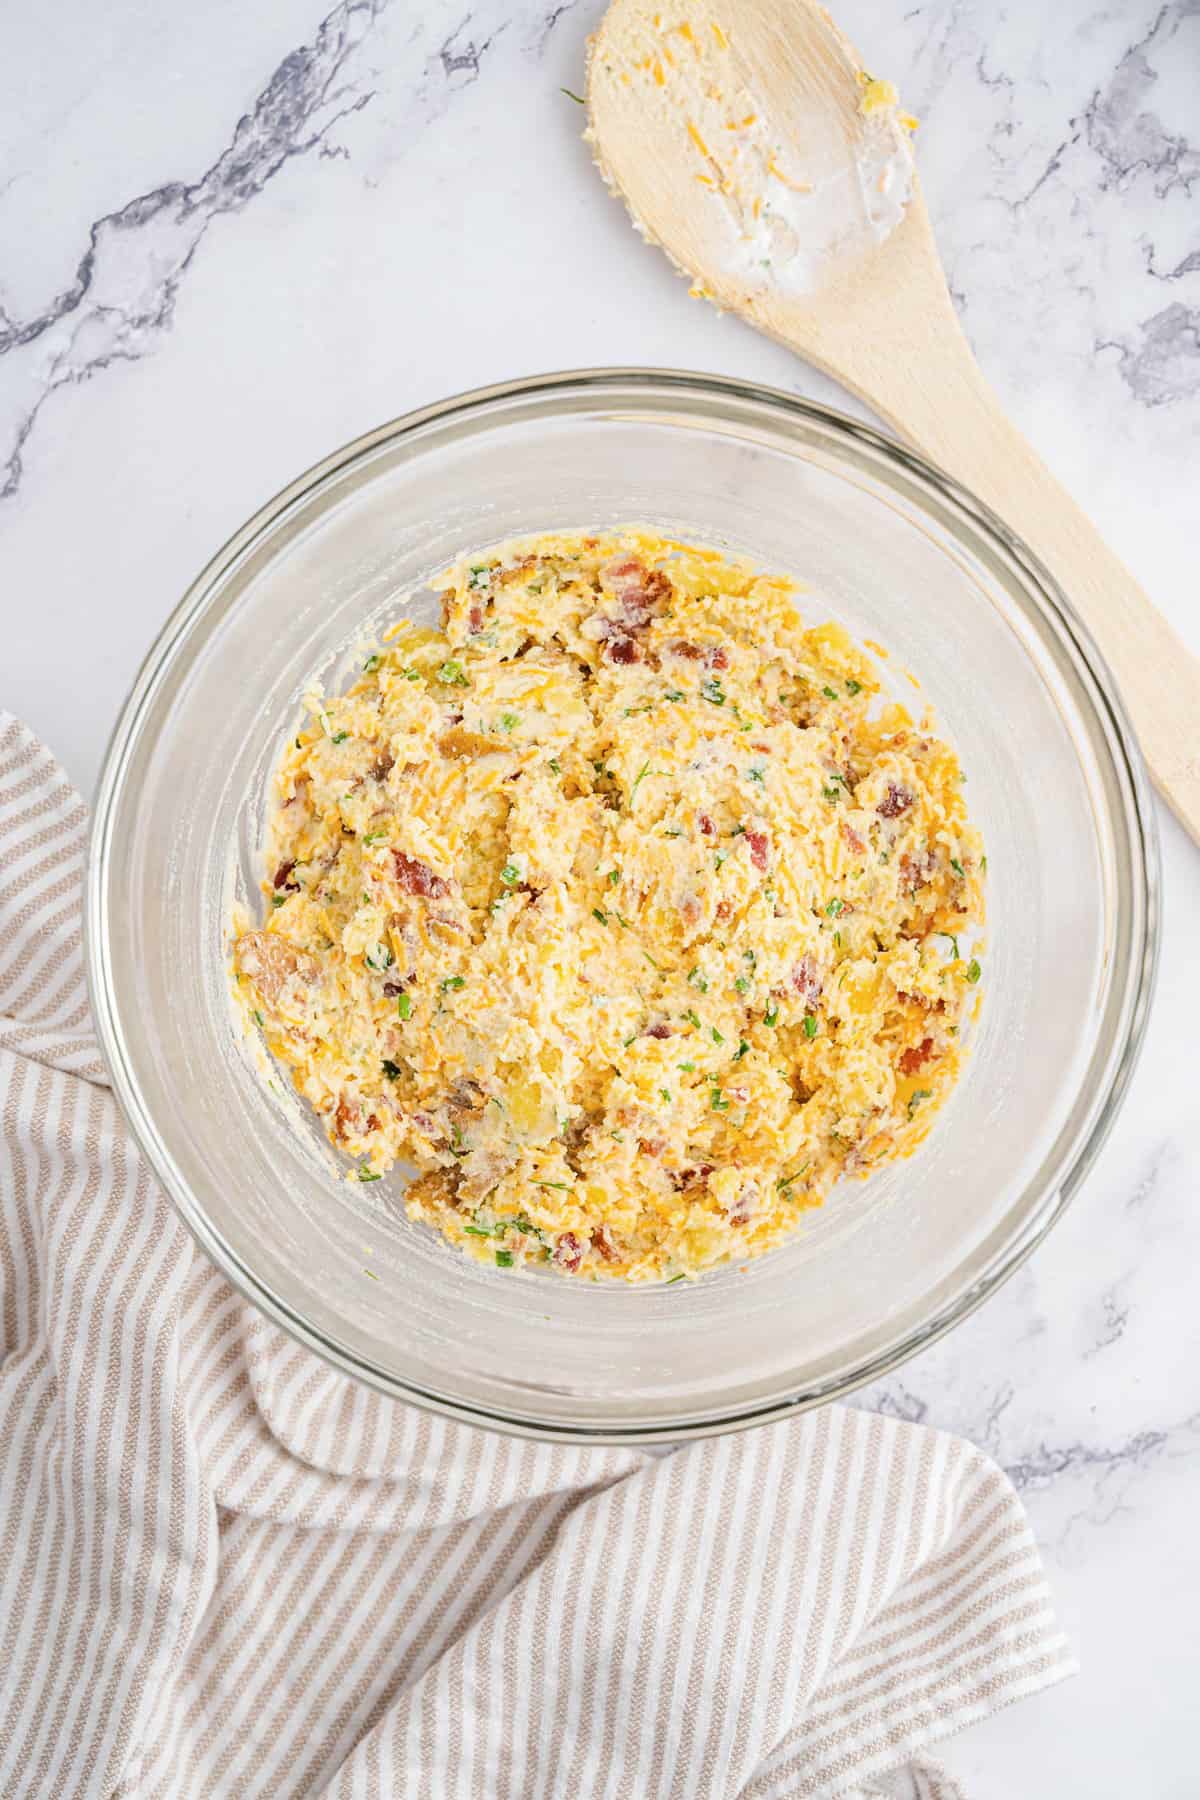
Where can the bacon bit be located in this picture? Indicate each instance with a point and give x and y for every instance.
(724, 909)
(690, 911)
(282, 882)
(719, 658)
(467, 1097)
(475, 619)
(658, 1030)
(652, 1146)
(914, 1059)
(915, 871)
(705, 823)
(393, 989)
(383, 765)
(765, 748)
(897, 800)
(688, 1177)
(689, 652)
(346, 1119)
(713, 656)
(415, 877)
(757, 840)
(568, 1252)
(623, 650)
(602, 1238)
(852, 838)
(806, 980)
(271, 962)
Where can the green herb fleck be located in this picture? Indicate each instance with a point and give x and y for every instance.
(983, 865)
(571, 96)
(371, 664)
(721, 857)
(697, 980)
(477, 570)
(452, 674)
(916, 1097)
(810, 1025)
(718, 1101)
(504, 1259)
(973, 970)
(830, 793)
(564, 1187)
(598, 913)
(666, 1095)
(756, 775)
(258, 1015)
(742, 984)
(510, 874)
(641, 776)
(452, 982)
(509, 721)
(717, 1038)
(379, 957)
(771, 1016)
(410, 674)
(278, 899)
(712, 691)
(829, 693)
(366, 1174)
(692, 1017)
(957, 866)
(651, 961)
(339, 737)
(554, 765)
(673, 695)
(689, 1066)
(952, 941)
(613, 876)
(674, 1278)
(854, 687)
(404, 1006)
(741, 1050)
(834, 908)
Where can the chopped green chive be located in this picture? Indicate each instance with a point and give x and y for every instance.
(510, 874)
(622, 921)
(674, 1279)
(613, 876)
(718, 1101)
(452, 982)
(666, 1095)
(810, 1025)
(339, 737)
(916, 1097)
(278, 899)
(564, 1187)
(554, 765)
(675, 832)
(830, 793)
(717, 1038)
(692, 1017)
(373, 837)
(410, 674)
(404, 1006)
(672, 694)
(697, 980)
(854, 687)
(371, 664)
(834, 908)
(258, 1015)
(366, 1174)
(504, 1259)
(451, 674)
(571, 96)
(973, 970)
(829, 693)
(508, 721)
(651, 961)
(712, 691)
(742, 985)
(641, 776)
(957, 866)
(478, 570)
(721, 857)
(771, 1016)
(952, 941)
(597, 913)
(379, 957)
(689, 1066)
(983, 865)
(837, 938)
(756, 775)
(741, 1050)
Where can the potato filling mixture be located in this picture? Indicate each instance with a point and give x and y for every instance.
(625, 906)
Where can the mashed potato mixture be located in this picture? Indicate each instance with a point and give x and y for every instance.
(625, 906)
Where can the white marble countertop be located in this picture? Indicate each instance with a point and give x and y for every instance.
(232, 237)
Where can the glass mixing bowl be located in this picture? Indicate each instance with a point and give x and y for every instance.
(898, 554)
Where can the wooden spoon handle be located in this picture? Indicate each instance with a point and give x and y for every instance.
(913, 366)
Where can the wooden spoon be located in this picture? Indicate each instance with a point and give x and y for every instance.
(749, 144)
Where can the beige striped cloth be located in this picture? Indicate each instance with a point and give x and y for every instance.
(226, 1570)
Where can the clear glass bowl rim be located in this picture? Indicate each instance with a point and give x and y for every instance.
(479, 407)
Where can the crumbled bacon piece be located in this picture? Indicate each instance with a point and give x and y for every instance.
(713, 656)
(852, 838)
(568, 1252)
(475, 619)
(640, 592)
(705, 823)
(915, 871)
(658, 1030)
(724, 909)
(623, 650)
(347, 1119)
(913, 1059)
(603, 1240)
(690, 911)
(652, 1146)
(416, 877)
(897, 800)
(383, 765)
(806, 980)
(757, 840)
(283, 882)
(690, 1177)
(719, 658)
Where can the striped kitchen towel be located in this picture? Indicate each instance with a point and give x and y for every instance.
(226, 1570)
